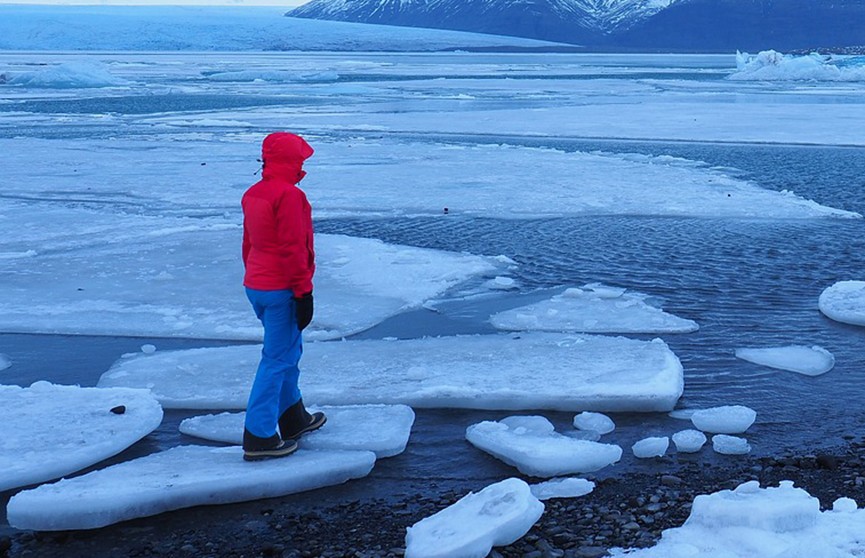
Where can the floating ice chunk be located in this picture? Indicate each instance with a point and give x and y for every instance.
(689, 441)
(599, 422)
(727, 419)
(5, 362)
(498, 515)
(148, 349)
(562, 488)
(181, 477)
(534, 424)
(593, 309)
(730, 445)
(502, 283)
(50, 431)
(537, 450)
(749, 522)
(569, 373)
(844, 302)
(844, 505)
(278, 76)
(682, 414)
(382, 429)
(651, 447)
(811, 361)
(69, 75)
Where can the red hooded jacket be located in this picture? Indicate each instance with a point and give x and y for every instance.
(277, 220)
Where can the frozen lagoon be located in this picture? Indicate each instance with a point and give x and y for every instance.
(695, 264)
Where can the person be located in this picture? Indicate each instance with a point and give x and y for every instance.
(279, 262)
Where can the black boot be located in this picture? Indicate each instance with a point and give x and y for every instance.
(296, 421)
(256, 448)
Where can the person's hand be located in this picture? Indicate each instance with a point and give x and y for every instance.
(303, 310)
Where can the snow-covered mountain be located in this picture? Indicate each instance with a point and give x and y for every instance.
(563, 20)
(705, 25)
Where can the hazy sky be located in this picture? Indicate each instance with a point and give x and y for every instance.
(282, 3)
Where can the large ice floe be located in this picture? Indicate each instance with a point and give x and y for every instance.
(773, 522)
(844, 302)
(594, 308)
(498, 515)
(381, 429)
(69, 75)
(508, 372)
(50, 430)
(770, 65)
(181, 477)
(810, 361)
(531, 444)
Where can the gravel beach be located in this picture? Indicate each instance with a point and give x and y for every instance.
(352, 521)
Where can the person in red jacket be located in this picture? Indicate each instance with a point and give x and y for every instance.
(279, 259)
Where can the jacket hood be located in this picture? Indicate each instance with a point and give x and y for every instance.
(283, 155)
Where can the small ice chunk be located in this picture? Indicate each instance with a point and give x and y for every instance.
(570, 487)
(810, 361)
(148, 349)
(502, 283)
(599, 422)
(844, 505)
(682, 414)
(689, 441)
(778, 510)
(651, 447)
(5, 362)
(727, 419)
(531, 445)
(498, 515)
(730, 445)
(844, 302)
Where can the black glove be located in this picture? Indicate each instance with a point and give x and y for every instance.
(303, 310)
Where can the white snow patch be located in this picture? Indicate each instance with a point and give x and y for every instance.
(810, 361)
(498, 515)
(531, 445)
(180, 477)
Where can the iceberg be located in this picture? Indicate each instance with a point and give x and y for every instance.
(770, 65)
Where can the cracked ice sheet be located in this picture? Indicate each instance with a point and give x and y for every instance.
(508, 372)
(208, 177)
(91, 272)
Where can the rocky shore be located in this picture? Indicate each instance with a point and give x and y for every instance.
(623, 511)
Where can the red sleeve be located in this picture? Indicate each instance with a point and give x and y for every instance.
(246, 244)
(294, 224)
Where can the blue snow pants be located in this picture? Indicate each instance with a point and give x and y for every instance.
(275, 387)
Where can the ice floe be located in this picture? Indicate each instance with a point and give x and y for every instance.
(844, 302)
(5, 362)
(531, 445)
(181, 477)
(778, 522)
(726, 419)
(568, 373)
(689, 441)
(498, 515)
(810, 361)
(655, 446)
(569, 487)
(730, 445)
(50, 430)
(597, 422)
(381, 429)
(593, 309)
(69, 75)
